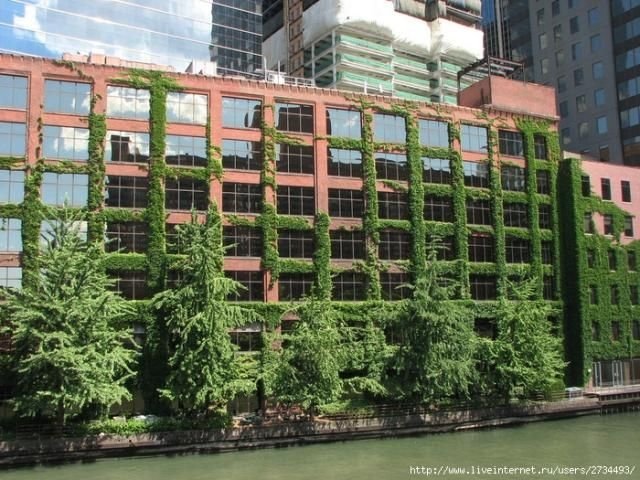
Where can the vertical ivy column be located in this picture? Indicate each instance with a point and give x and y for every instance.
(416, 198)
(532, 207)
(459, 210)
(32, 211)
(497, 209)
(269, 219)
(96, 168)
(322, 257)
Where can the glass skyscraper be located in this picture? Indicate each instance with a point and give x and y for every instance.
(168, 32)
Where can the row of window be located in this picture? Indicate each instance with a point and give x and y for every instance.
(614, 295)
(616, 331)
(608, 224)
(612, 259)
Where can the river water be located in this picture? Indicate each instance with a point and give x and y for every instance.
(611, 440)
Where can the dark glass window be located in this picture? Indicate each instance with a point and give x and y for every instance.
(241, 155)
(294, 286)
(389, 128)
(591, 258)
(517, 250)
(344, 123)
(394, 245)
(438, 209)
(615, 296)
(345, 203)
(606, 188)
(67, 97)
(476, 174)
(631, 261)
(587, 223)
(344, 163)
(615, 331)
(586, 186)
(611, 256)
(636, 329)
(391, 166)
(11, 186)
(474, 138)
(130, 284)
(131, 147)
(478, 212)
(253, 284)
(625, 186)
(347, 244)
(633, 294)
(393, 205)
(436, 170)
(10, 234)
(510, 143)
(547, 252)
(247, 338)
(348, 286)
(186, 194)
(127, 192)
(548, 292)
(608, 223)
(296, 200)
(481, 248)
(628, 226)
(242, 241)
(544, 216)
(482, 287)
(293, 117)
(61, 188)
(540, 147)
(241, 198)
(295, 243)
(513, 178)
(13, 139)
(126, 237)
(434, 133)
(13, 91)
(445, 249)
(595, 331)
(294, 158)
(593, 295)
(394, 286)
(515, 215)
(543, 182)
(241, 112)
(173, 241)
(186, 151)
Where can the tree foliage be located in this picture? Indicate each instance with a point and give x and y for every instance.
(72, 348)
(204, 369)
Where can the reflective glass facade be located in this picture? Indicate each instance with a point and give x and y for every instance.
(166, 32)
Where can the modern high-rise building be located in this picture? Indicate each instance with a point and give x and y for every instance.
(167, 32)
(410, 49)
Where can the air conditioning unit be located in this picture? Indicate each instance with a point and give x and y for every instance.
(276, 77)
(199, 67)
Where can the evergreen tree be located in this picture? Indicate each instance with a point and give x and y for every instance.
(72, 348)
(204, 368)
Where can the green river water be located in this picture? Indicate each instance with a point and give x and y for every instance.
(598, 441)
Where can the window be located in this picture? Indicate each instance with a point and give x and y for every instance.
(594, 16)
(625, 187)
(296, 200)
(344, 163)
(389, 128)
(13, 92)
(294, 286)
(132, 147)
(67, 97)
(13, 139)
(587, 223)
(247, 338)
(515, 215)
(595, 331)
(438, 209)
(586, 186)
(631, 261)
(546, 250)
(544, 66)
(608, 223)
(474, 138)
(583, 129)
(599, 97)
(434, 133)
(601, 125)
(292, 117)
(241, 112)
(253, 284)
(591, 258)
(295, 243)
(444, 247)
(131, 285)
(612, 259)
(126, 237)
(10, 235)
(555, 7)
(174, 243)
(543, 182)
(559, 58)
(348, 286)
(186, 194)
(517, 250)
(347, 245)
(576, 51)
(126, 102)
(482, 287)
(557, 33)
(345, 203)
(241, 155)
(562, 84)
(481, 248)
(540, 147)
(603, 151)
(186, 151)
(574, 25)
(628, 226)
(58, 188)
(241, 198)
(391, 166)
(606, 188)
(548, 292)
(393, 205)
(540, 16)
(597, 70)
(187, 108)
(436, 170)
(242, 241)
(394, 286)
(593, 295)
(10, 277)
(478, 212)
(11, 186)
(394, 245)
(581, 103)
(65, 143)
(294, 158)
(565, 134)
(510, 143)
(544, 216)
(513, 178)
(615, 297)
(578, 77)
(596, 43)
(636, 329)
(633, 294)
(344, 123)
(476, 174)
(542, 41)
(126, 192)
